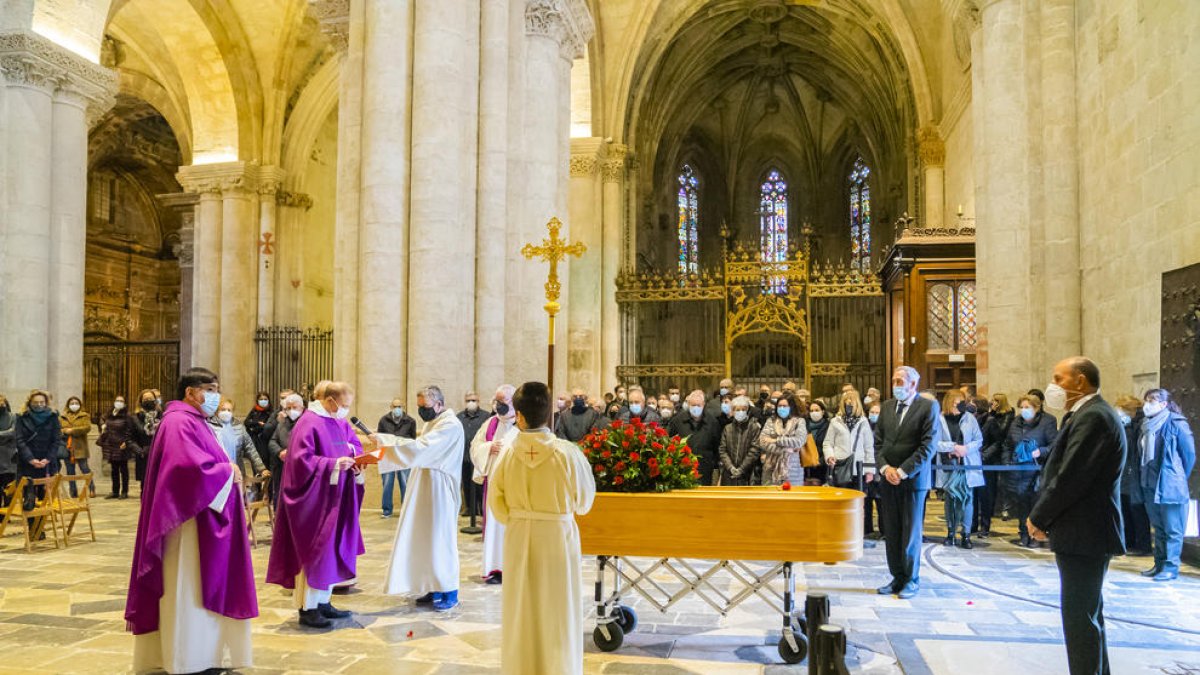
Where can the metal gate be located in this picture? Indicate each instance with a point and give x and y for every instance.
(114, 368)
(289, 357)
(1179, 358)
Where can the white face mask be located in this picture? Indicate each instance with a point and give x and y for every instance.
(1056, 397)
(263, 403)
(472, 406)
(740, 415)
(118, 405)
(225, 416)
(674, 398)
(868, 400)
(341, 413)
(1153, 408)
(294, 414)
(816, 415)
(74, 407)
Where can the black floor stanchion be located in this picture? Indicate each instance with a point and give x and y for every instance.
(816, 614)
(830, 651)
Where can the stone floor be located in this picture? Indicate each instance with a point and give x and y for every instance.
(990, 610)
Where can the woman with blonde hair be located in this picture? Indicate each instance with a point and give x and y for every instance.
(781, 439)
(959, 442)
(1028, 445)
(849, 443)
(39, 438)
(76, 425)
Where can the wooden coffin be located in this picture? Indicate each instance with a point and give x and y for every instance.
(804, 524)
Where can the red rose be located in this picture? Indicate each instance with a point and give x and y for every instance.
(616, 424)
(670, 461)
(642, 439)
(652, 462)
(656, 445)
(695, 473)
(620, 466)
(687, 450)
(629, 432)
(662, 432)
(633, 456)
(606, 454)
(624, 444)
(618, 480)
(598, 468)
(654, 472)
(596, 446)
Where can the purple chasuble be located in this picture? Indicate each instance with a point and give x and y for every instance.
(185, 471)
(316, 523)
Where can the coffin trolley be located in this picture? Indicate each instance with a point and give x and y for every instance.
(699, 537)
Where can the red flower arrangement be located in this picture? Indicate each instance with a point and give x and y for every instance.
(639, 457)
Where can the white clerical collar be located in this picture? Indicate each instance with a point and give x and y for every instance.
(316, 407)
(1085, 399)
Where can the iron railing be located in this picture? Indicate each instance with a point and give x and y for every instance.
(289, 357)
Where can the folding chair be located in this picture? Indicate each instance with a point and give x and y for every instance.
(73, 506)
(262, 501)
(42, 509)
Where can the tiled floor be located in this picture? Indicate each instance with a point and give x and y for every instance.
(990, 610)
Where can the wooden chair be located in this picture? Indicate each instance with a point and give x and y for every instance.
(42, 510)
(263, 485)
(67, 505)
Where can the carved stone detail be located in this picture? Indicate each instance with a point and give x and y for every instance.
(293, 199)
(613, 170)
(334, 17)
(227, 177)
(567, 22)
(583, 165)
(27, 59)
(931, 147)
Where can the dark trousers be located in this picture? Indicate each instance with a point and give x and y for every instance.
(1022, 490)
(706, 470)
(83, 468)
(872, 505)
(1081, 578)
(276, 478)
(472, 493)
(1137, 525)
(985, 501)
(1168, 521)
(902, 516)
(120, 477)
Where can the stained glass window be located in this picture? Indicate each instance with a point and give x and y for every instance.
(950, 317)
(689, 220)
(860, 216)
(773, 223)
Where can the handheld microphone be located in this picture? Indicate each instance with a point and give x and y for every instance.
(360, 426)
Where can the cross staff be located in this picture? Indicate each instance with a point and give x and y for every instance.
(552, 250)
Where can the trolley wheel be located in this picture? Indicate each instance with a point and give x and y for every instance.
(790, 656)
(609, 644)
(800, 625)
(626, 619)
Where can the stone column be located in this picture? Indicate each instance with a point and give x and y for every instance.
(932, 150)
(289, 256)
(492, 210)
(239, 291)
(614, 235)
(206, 279)
(48, 93)
(584, 305)
(442, 210)
(267, 242)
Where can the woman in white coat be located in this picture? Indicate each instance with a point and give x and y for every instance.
(850, 443)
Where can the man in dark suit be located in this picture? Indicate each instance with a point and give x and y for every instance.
(905, 439)
(1079, 508)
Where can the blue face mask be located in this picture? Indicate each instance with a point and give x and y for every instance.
(900, 393)
(1124, 419)
(725, 408)
(1027, 414)
(212, 401)
(784, 413)
(874, 417)
(635, 408)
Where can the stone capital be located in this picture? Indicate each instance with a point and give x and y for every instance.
(30, 60)
(334, 17)
(930, 147)
(297, 200)
(567, 22)
(226, 178)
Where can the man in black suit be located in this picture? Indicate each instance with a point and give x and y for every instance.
(1079, 508)
(905, 439)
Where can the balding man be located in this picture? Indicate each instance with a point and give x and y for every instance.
(580, 420)
(638, 409)
(905, 443)
(1079, 507)
(702, 431)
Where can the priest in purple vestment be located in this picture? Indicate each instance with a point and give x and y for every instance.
(191, 588)
(317, 540)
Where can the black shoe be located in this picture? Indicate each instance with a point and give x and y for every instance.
(330, 612)
(910, 589)
(112, 496)
(313, 619)
(887, 589)
(1025, 541)
(124, 496)
(426, 599)
(966, 542)
(495, 579)
(1152, 572)
(949, 540)
(984, 534)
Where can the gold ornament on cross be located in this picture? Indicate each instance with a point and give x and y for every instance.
(552, 250)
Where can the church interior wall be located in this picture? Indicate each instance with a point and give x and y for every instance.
(316, 272)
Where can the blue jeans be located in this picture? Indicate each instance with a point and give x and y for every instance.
(83, 466)
(389, 480)
(1167, 521)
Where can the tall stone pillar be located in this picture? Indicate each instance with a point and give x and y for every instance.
(289, 257)
(585, 318)
(206, 277)
(615, 235)
(442, 209)
(267, 244)
(932, 151)
(556, 32)
(48, 93)
(492, 207)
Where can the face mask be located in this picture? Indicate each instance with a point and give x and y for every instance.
(724, 391)
(667, 414)
(874, 417)
(848, 410)
(74, 407)
(118, 405)
(1027, 414)
(725, 408)
(38, 407)
(579, 405)
(342, 413)
(696, 410)
(158, 401)
(429, 415)
(868, 400)
(784, 413)
(500, 407)
(472, 406)
(900, 393)
(398, 411)
(961, 407)
(816, 415)
(621, 395)
(1124, 419)
(1056, 397)
(635, 408)
(740, 415)
(212, 401)
(1152, 408)
(674, 398)
(562, 403)
(294, 414)
(652, 405)
(764, 395)
(147, 405)
(225, 416)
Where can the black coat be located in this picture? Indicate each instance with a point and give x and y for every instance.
(703, 435)
(909, 445)
(1042, 430)
(572, 426)
(38, 441)
(256, 425)
(472, 421)
(995, 431)
(8, 442)
(405, 427)
(119, 430)
(1080, 504)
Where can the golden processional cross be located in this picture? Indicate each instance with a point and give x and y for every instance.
(552, 250)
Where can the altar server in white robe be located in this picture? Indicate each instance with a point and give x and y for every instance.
(425, 554)
(537, 487)
(493, 437)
